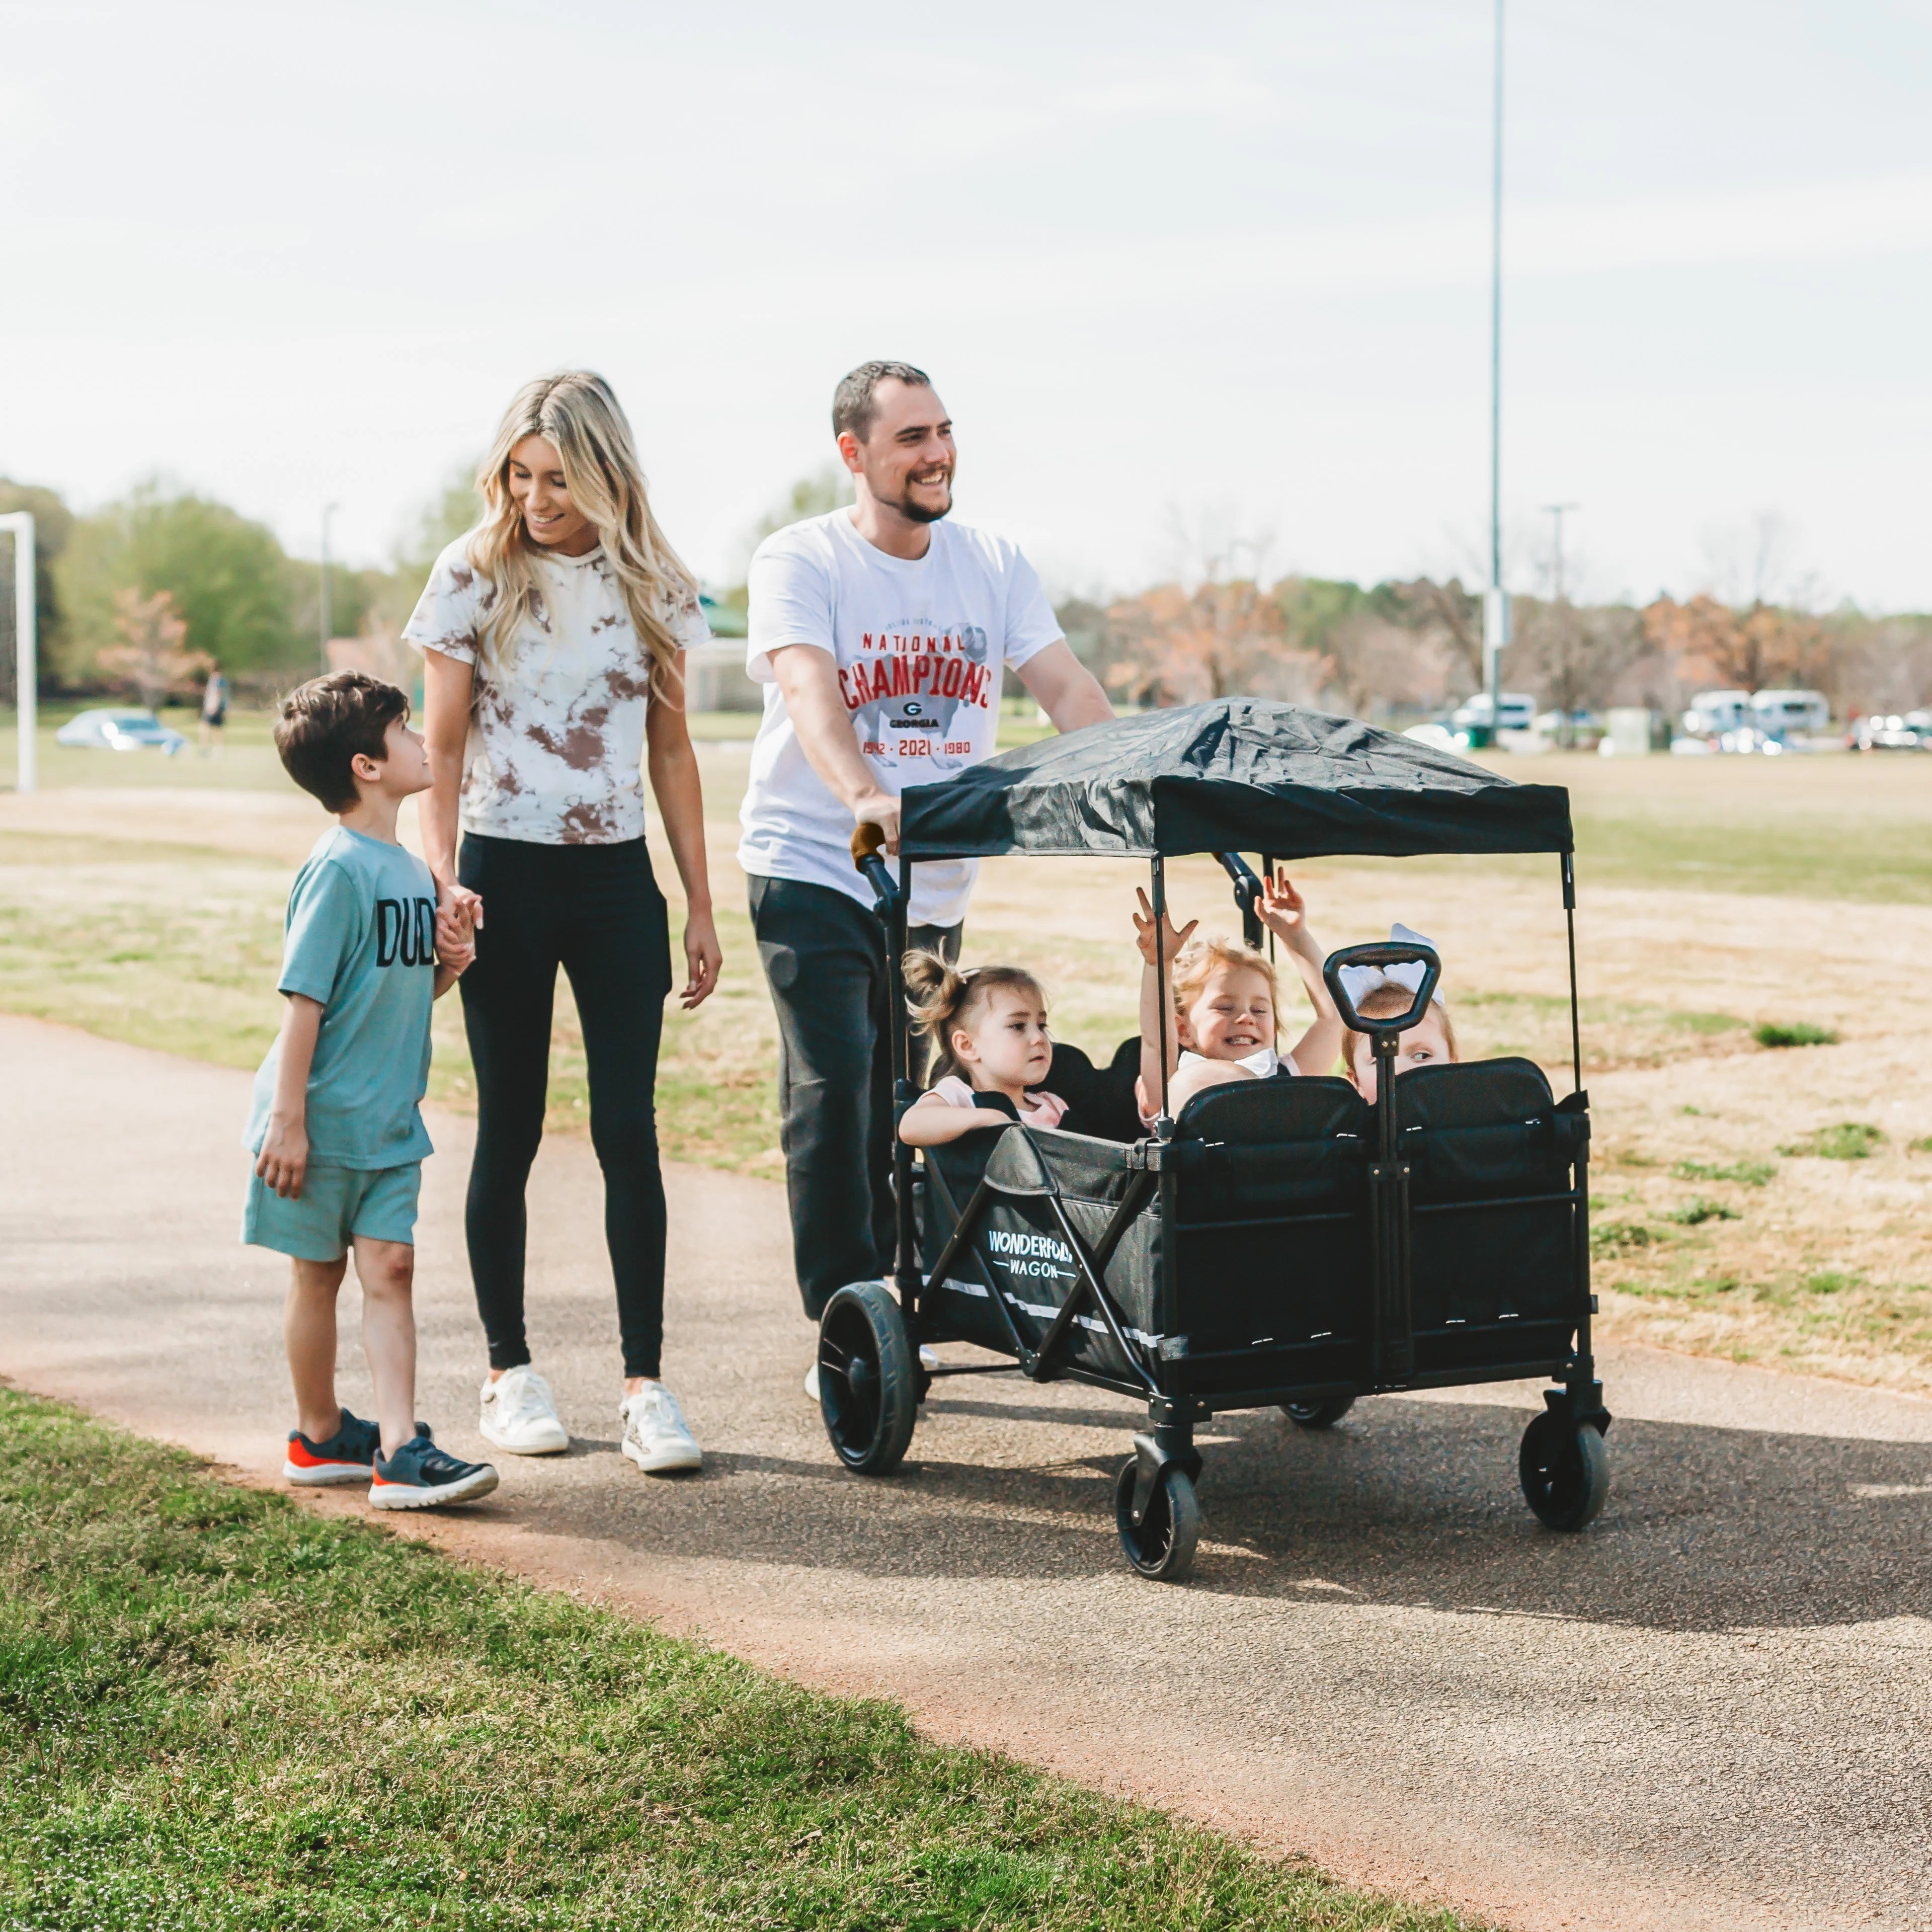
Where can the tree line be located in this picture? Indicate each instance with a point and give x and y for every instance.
(150, 591)
(1406, 648)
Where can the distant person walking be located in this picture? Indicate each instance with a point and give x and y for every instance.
(881, 634)
(553, 636)
(214, 711)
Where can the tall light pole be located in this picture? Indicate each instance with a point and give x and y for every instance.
(1556, 512)
(329, 510)
(1495, 604)
(26, 661)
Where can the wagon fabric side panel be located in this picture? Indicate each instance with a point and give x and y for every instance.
(1272, 1283)
(1496, 1271)
(1018, 1248)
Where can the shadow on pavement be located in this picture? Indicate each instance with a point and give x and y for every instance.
(1405, 1502)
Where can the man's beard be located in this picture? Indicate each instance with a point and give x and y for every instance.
(918, 513)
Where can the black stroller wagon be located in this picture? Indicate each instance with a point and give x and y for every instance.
(1282, 1242)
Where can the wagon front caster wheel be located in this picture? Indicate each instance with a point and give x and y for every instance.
(1317, 1414)
(1565, 1470)
(868, 1377)
(1161, 1545)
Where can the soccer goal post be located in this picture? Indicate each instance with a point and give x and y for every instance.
(20, 524)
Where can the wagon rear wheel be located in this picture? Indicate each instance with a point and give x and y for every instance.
(1161, 1545)
(1565, 1470)
(867, 1386)
(1317, 1414)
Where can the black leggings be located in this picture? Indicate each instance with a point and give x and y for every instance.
(596, 911)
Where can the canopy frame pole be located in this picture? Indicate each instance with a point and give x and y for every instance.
(1569, 920)
(1163, 1126)
(906, 1278)
(1267, 875)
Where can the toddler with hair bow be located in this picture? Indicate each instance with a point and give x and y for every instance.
(1379, 993)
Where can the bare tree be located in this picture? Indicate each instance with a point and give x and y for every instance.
(1448, 614)
(1573, 657)
(1178, 647)
(1373, 661)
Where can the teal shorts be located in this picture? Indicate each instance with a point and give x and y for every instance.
(336, 1203)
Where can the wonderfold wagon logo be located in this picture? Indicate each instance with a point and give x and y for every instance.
(1035, 1256)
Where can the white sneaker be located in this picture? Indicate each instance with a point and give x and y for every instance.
(656, 1436)
(928, 1359)
(519, 1414)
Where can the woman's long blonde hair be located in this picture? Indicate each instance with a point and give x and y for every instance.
(579, 415)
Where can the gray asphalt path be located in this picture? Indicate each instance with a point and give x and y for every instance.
(1711, 1710)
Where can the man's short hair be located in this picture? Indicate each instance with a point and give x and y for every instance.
(855, 402)
(324, 723)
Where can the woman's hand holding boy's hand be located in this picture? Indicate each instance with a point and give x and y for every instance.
(456, 935)
(1171, 940)
(459, 912)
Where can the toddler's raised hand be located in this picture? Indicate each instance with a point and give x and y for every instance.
(1171, 941)
(1282, 907)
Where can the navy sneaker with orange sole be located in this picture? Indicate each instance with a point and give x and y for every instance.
(420, 1476)
(349, 1456)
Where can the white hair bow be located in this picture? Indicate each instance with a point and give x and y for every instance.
(1359, 982)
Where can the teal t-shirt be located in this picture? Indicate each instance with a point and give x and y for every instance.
(360, 937)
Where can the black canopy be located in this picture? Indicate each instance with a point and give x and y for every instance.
(1237, 775)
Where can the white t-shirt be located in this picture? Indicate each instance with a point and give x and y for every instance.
(557, 725)
(920, 647)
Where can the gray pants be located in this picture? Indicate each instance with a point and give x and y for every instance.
(824, 957)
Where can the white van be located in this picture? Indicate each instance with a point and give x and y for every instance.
(1519, 712)
(1779, 713)
(1712, 713)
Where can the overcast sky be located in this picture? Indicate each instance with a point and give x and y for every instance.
(1182, 274)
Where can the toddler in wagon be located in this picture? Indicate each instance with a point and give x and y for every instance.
(1226, 1022)
(1380, 993)
(987, 1027)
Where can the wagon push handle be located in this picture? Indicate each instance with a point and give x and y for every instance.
(869, 844)
(1394, 1324)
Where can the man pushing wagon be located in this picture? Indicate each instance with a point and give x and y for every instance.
(882, 634)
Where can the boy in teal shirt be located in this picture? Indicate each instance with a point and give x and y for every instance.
(335, 1128)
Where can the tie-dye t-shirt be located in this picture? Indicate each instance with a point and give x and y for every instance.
(557, 722)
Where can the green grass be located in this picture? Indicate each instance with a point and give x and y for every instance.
(1745, 1173)
(1622, 1237)
(1799, 1033)
(1699, 1209)
(1847, 1140)
(219, 1710)
(177, 948)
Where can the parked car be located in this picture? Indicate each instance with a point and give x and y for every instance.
(1518, 713)
(1892, 731)
(119, 731)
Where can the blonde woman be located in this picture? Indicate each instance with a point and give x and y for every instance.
(553, 637)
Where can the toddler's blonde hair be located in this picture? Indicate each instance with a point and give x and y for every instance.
(1198, 961)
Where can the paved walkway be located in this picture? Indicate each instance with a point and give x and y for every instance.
(1709, 1711)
